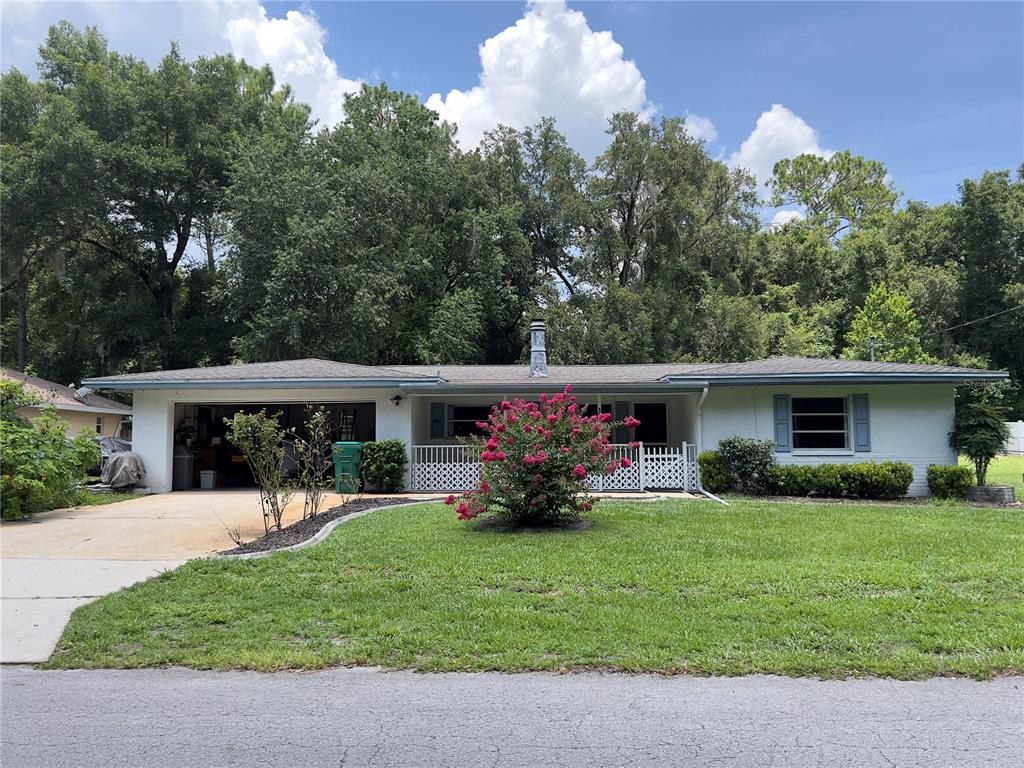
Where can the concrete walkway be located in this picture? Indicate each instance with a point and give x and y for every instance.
(56, 561)
(361, 717)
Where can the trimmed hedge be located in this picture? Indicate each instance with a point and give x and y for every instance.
(748, 462)
(714, 475)
(863, 480)
(949, 482)
(383, 465)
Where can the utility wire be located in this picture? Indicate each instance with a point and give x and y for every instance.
(972, 322)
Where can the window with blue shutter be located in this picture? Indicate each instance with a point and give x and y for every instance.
(783, 444)
(861, 423)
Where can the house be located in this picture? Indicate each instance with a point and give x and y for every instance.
(83, 409)
(814, 410)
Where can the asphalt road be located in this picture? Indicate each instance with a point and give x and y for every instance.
(362, 717)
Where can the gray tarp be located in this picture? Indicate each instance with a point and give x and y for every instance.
(123, 469)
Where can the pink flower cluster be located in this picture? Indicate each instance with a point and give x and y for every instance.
(537, 458)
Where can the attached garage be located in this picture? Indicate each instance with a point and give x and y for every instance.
(200, 441)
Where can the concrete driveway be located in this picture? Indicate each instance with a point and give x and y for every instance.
(57, 561)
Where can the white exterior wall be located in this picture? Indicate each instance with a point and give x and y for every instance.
(908, 422)
(153, 416)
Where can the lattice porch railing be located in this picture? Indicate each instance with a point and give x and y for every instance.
(457, 468)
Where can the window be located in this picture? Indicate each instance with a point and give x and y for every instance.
(653, 427)
(820, 422)
(462, 419)
(99, 425)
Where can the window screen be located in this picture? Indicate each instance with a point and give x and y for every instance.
(653, 427)
(462, 419)
(820, 422)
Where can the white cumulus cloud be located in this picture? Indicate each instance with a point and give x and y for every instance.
(778, 134)
(293, 46)
(784, 217)
(549, 63)
(700, 127)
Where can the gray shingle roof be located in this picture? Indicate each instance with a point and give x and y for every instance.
(652, 372)
(312, 369)
(329, 373)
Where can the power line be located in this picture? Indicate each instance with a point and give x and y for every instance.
(972, 322)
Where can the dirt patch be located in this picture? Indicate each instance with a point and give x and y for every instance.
(303, 530)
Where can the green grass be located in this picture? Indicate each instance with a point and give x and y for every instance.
(796, 589)
(1004, 470)
(86, 497)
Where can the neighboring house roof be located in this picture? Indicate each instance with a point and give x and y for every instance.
(314, 373)
(65, 398)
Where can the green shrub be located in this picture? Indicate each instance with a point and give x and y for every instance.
(949, 482)
(979, 433)
(714, 476)
(748, 462)
(40, 466)
(383, 465)
(863, 480)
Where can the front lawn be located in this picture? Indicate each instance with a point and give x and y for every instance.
(679, 586)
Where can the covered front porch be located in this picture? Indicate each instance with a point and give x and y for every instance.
(442, 458)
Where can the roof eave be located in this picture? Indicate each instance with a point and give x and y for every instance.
(535, 386)
(113, 385)
(843, 378)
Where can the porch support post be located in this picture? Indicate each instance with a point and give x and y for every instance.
(641, 456)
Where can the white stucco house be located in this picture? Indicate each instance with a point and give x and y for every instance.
(814, 410)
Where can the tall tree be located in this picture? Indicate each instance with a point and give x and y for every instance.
(840, 193)
(889, 319)
(165, 141)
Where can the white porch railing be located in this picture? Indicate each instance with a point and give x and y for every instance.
(457, 468)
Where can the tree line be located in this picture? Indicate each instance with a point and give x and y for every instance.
(192, 213)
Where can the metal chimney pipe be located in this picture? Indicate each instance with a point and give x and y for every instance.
(871, 349)
(538, 350)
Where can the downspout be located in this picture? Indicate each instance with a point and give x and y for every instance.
(700, 443)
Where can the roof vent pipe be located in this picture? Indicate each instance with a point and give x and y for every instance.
(538, 351)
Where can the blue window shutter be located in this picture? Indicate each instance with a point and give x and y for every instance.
(861, 423)
(437, 421)
(783, 428)
(619, 414)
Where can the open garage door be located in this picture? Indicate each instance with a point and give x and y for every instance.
(200, 437)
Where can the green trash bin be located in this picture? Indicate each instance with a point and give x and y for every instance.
(346, 466)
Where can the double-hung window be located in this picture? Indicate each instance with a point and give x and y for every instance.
(820, 423)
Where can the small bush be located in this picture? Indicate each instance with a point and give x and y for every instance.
(863, 480)
(949, 482)
(748, 462)
(383, 465)
(714, 476)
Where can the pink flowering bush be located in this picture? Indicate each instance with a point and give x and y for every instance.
(536, 459)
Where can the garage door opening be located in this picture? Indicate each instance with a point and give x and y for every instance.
(201, 444)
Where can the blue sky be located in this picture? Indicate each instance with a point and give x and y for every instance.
(934, 90)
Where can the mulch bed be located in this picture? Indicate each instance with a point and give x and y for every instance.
(303, 530)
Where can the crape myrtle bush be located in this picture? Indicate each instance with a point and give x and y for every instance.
(536, 458)
(949, 482)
